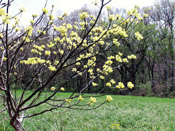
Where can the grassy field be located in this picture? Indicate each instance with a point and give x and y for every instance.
(130, 112)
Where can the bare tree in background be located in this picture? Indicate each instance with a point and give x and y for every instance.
(32, 58)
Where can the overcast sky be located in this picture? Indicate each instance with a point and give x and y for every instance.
(35, 6)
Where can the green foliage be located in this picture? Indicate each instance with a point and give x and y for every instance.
(144, 90)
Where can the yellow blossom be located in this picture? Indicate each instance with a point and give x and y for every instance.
(34, 15)
(47, 52)
(102, 77)
(1, 35)
(84, 15)
(90, 71)
(51, 17)
(62, 89)
(120, 85)
(108, 7)
(118, 58)
(61, 52)
(80, 98)
(85, 66)
(45, 11)
(109, 98)
(130, 85)
(31, 21)
(68, 100)
(52, 68)
(108, 84)
(120, 54)
(78, 63)
(53, 88)
(4, 58)
(94, 84)
(56, 62)
(118, 16)
(115, 42)
(125, 60)
(112, 81)
(69, 26)
(93, 99)
(132, 56)
(111, 18)
(138, 36)
(74, 69)
(108, 62)
(2, 12)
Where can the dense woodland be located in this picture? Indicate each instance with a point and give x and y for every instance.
(152, 72)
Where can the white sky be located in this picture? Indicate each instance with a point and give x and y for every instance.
(35, 6)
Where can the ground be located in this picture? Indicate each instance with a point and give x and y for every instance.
(130, 112)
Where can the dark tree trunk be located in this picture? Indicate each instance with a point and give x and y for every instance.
(16, 124)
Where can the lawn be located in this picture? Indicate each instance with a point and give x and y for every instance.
(130, 112)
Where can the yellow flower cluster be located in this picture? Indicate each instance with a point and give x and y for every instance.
(92, 101)
(138, 36)
(130, 85)
(118, 58)
(115, 42)
(109, 98)
(29, 31)
(1, 35)
(125, 60)
(107, 69)
(62, 89)
(108, 84)
(80, 98)
(2, 12)
(52, 68)
(47, 52)
(84, 15)
(69, 26)
(51, 17)
(53, 88)
(132, 56)
(6, 19)
(62, 29)
(51, 44)
(120, 85)
(17, 29)
(68, 100)
(112, 18)
(45, 11)
(94, 84)
(33, 61)
(36, 60)
(117, 30)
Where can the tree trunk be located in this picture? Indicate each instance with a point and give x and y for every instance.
(17, 125)
(16, 121)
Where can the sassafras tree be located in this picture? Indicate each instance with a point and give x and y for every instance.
(31, 58)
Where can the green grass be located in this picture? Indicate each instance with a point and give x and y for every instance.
(132, 113)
